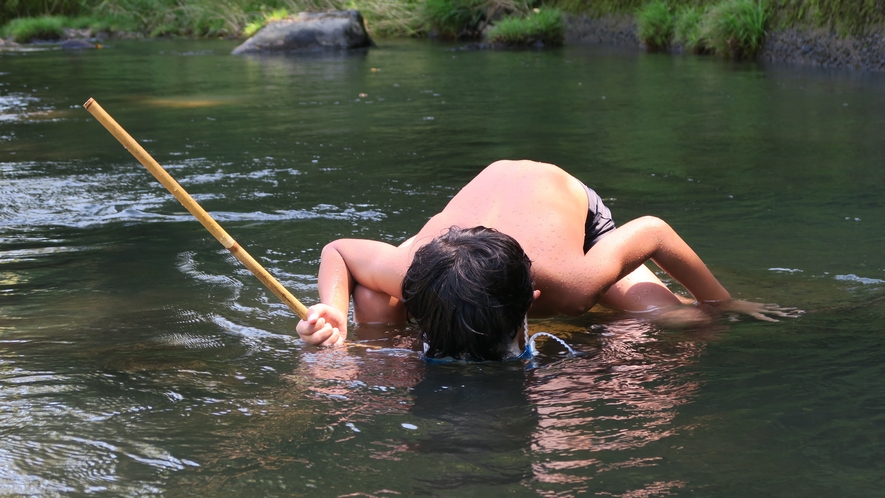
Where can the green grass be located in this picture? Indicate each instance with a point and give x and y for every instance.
(466, 19)
(453, 18)
(687, 29)
(654, 25)
(735, 29)
(13, 9)
(253, 26)
(227, 18)
(205, 18)
(597, 8)
(393, 17)
(27, 29)
(843, 16)
(544, 25)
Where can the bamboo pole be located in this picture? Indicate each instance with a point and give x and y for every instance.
(195, 209)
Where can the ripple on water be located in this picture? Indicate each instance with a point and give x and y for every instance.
(247, 332)
(188, 265)
(16, 106)
(190, 341)
(54, 442)
(62, 194)
(19, 255)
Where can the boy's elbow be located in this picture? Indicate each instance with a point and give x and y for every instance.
(331, 248)
(656, 229)
(653, 223)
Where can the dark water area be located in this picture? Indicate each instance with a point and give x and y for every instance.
(138, 358)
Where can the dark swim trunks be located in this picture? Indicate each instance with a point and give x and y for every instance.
(599, 220)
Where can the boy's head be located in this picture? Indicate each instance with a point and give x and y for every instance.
(469, 291)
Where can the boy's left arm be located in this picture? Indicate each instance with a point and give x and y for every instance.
(623, 250)
(651, 238)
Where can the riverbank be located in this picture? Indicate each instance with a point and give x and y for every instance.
(808, 46)
(816, 33)
(823, 48)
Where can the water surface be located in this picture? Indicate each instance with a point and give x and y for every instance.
(138, 358)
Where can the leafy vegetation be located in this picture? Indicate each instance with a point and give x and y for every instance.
(14, 9)
(843, 16)
(543, 25)
(205, 18)
(466, 19)
(735, 28)
(392, 17)
(449, 18)
(187, 17)
(253, 26)
(32, 28)
(455, 18)
(654, 25)
(687, 29)
(27, 29)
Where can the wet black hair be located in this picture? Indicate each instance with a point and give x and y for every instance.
(468, 291)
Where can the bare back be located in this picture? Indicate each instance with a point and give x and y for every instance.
(545, 210)
(540, 205)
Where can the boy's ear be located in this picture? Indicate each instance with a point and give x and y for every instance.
(535, 294)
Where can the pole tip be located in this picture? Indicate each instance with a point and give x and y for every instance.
(88, 102)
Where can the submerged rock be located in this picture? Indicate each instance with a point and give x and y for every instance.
(340, 30)
(76, 45)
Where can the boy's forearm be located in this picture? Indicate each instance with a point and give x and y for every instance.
(675, 257)
(335, 280)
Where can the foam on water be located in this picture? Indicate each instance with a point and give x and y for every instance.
(33, 197)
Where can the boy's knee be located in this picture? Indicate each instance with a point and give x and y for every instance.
(371, 306)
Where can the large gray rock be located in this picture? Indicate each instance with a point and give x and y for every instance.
(341, 30)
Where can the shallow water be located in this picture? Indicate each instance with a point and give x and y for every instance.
(138, 358)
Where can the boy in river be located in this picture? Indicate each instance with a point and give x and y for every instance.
(521, 239)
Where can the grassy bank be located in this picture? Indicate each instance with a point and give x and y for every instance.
(734, 29)
(198, 18)
(463, 19)
(543, 25)
(455, 19)
(842, 16)
(24, 20)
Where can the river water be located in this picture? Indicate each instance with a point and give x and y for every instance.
(138, 358)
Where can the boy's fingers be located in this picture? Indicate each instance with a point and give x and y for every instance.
(322, 336)
(764, 318)
(334, 339)
(320, 331)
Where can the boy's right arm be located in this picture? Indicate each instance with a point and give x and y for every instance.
(345, 262)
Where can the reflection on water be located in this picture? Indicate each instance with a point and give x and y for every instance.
(601, 411)
(186, 102)
(138, 358)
